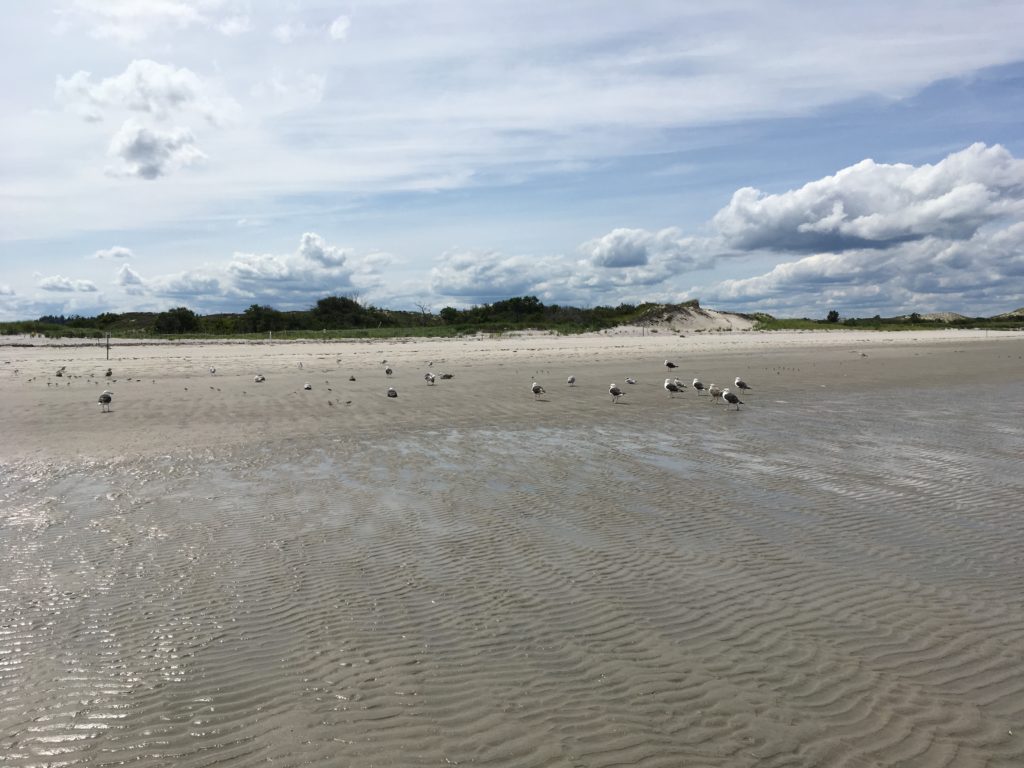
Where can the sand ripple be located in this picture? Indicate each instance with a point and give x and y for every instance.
(834, 583)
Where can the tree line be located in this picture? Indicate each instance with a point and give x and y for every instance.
(334, 313)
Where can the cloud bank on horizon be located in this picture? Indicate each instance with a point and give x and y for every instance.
(220, 153)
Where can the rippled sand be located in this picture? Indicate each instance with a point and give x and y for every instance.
(831, 576)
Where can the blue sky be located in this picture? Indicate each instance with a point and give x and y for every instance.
(760, 156)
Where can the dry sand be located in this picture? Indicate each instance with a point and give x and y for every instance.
(232, 573)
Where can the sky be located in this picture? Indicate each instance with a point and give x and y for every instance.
(760, 156)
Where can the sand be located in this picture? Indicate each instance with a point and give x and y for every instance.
(224, 572)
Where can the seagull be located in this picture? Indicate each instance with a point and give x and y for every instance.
(259, 378)
(105, 399)
(731, 399)
(630, 380)
(308, 386)
(670, 365)
(741, 384)
(679, 384)
(537, 390)
(571, 381)
(109, 373)
(447, 376)
(670, 387)
(392, 392)
(715, 392)
(615, 392)
(698, 385)
(351, 378)
(212, 370)
(428, 377)
(300, 364)
(388, 371)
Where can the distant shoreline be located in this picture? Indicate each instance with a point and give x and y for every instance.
(25, 341)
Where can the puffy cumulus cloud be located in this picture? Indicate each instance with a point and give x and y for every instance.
(483, 277)
(339, 28)
(296, 280)
(195, 284)
(624, 248)
(632, 262)
(130, 280)
(116, 252)
(135, 20)
(623, 265)
(198, 286)
(314, 248)
(150, 153)
(145, 86)
(61, 284)
(932, 274)
(872, 205)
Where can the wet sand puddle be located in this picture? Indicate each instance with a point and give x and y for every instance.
(829, 583)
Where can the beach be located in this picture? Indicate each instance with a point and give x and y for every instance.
(225, 572)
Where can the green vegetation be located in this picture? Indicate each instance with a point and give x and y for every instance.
(336, 317)
(911, 322)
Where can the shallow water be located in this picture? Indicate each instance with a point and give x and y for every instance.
(835, 581)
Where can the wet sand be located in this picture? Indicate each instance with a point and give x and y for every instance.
(231, 573)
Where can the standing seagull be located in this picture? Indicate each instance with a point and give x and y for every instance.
(715, 392)
(679, 384)
(388, 371)
(698, 385)
(307, 386)
(212, 370)
(571, 381)
(428, 377)
(670, 387)
(537, 390)
(259, 378)
(731, 399)
(741, 384)
(670, 365)
(105, 399)
(615, 392)
(109, 373)
(392, 392)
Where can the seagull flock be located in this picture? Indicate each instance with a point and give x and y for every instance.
(673, 386)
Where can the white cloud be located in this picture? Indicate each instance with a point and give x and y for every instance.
(6, 290)
(639, 247)
(483, 277)
(150, 153)
(289, 32)
(130, 280)
(117, 252)
(61, 284)
(144, 86)
(339, 28)
(931, 274)
(233, 26)
(296, 280)
(131, 21)
(875, 205)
